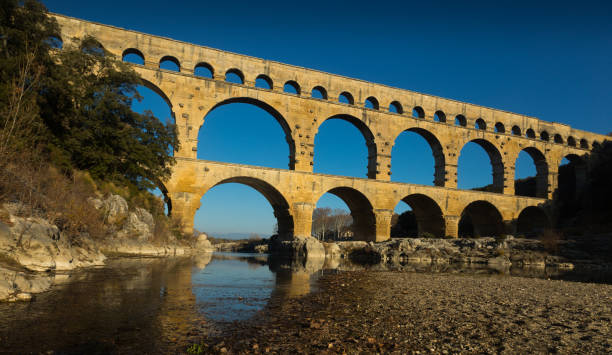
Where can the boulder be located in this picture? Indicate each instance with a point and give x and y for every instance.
(115, 209)
(203, 244)
(297, 248)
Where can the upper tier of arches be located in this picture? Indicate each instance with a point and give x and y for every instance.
(376, 97)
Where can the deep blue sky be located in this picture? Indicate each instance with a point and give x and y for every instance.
(551, 60)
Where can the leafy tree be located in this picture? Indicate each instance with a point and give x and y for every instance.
(81, 98)
(24, 59)
(87, 109)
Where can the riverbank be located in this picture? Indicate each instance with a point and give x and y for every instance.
(33, 250)
(398, 312)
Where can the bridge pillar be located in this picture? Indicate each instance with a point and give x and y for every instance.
(452, 226)
(302, 218)
(508, 179)
(383, 167)
(450, 175)
(552, 182)
(383, 224)
(184, 207)
(185, 117)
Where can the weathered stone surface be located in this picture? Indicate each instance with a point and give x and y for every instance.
(115, 209)
(298, 248)
(37, 245)
(203, 244)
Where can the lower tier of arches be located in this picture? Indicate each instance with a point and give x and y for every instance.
(293, 195)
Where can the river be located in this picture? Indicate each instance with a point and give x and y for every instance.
(151, 305)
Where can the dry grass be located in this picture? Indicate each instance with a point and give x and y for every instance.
(39, 189)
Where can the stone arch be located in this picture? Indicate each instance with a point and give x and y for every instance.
(532, 221)
(367, 135)
(204, 66)
(347, 97)
(236, 72)
(273, 112)
(275, 198)
(496, 161)
(133, 51)
(460, 120)
(396, 107)
(558, 139)
(480, 124)
(55, 41)
(428, 214)
(500, 128)
(418, 112)
(371, 102)
(544, 136)
(439, 116)
(362, 212)
(167, 200)
(437, 151)
(516, 130)
(171, 59)
(92, 46)
(292, 85)
(541, 165)
(584, 143)
(264, 79)
(571, 141)
(321, 90)
(480, 219)
(159, 92)
(530, 133)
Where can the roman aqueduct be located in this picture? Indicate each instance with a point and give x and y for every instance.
(381, 113)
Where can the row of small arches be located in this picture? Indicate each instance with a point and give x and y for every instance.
(318, 92)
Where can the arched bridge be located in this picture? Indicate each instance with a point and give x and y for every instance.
(302, 99)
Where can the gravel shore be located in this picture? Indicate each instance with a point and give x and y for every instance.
(399, 312)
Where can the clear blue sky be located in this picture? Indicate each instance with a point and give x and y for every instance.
(549, 59)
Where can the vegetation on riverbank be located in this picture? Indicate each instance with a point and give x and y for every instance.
(67, 130)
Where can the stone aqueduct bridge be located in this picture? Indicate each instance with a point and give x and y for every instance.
(294, 193)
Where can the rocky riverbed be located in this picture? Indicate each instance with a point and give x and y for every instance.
(414, 313)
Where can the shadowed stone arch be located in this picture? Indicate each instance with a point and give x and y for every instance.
(437, 151)
(364, 220)
(275, 198)
(532, 221)
(160, 92)
(428, 215)
(269, 109)
(133, 51)
(541, 171)
(495, 158)
(480, 219)
(367, 135)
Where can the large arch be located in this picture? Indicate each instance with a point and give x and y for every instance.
(276, 199)
(436, 150)
(495, 158)
(367, 135)
(273, 112)
(428, 215)
(480, 219)
(160, 92)
(531, 222)
(541, 178)
(364, 220)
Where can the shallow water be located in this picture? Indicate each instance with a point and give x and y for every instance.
(150, 305)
